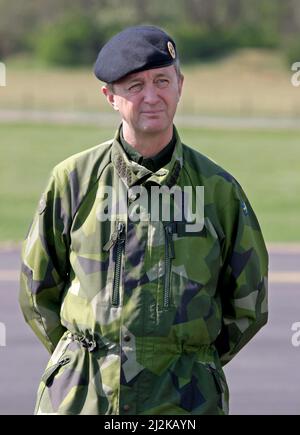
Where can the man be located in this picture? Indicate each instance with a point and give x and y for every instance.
(141, 300)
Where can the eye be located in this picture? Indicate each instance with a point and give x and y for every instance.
(162, 83)
(137, 87)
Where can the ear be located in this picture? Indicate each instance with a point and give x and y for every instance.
(110, 96)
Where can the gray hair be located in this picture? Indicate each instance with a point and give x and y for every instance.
(177, 68)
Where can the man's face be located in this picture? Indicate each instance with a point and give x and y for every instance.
(147, 100)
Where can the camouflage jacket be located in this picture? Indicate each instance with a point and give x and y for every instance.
(140, 316)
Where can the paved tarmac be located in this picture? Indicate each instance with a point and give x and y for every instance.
(263, 379)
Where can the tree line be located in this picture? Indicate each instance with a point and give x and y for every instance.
(71, 32)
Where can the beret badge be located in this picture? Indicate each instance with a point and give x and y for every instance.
(171, 49)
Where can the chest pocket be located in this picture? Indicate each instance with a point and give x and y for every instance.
(192, 262)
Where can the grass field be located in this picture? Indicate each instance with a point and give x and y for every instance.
(266, 163)
(246, 83)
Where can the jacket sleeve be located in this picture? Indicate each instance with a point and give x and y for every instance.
(45, 264)
(243, 280)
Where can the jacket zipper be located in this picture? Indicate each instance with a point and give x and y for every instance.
(169, 255)
(118, 240)
(50, 373)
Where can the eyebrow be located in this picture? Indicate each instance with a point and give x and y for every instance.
(131, 80)
(162, 75)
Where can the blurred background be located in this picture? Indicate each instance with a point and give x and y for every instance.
(239, 107)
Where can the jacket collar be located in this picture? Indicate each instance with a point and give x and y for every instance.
(132, 173)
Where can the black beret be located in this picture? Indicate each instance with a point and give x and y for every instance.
(134, 49)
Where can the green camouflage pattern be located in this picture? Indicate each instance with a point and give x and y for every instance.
(152, 336)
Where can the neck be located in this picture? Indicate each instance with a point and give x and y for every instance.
(147, 144)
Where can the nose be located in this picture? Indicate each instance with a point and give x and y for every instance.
(151, 94)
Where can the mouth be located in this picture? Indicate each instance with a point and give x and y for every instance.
(152, 112)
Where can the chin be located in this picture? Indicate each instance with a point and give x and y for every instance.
(155, 127)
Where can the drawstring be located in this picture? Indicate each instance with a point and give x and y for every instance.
(87, 341)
